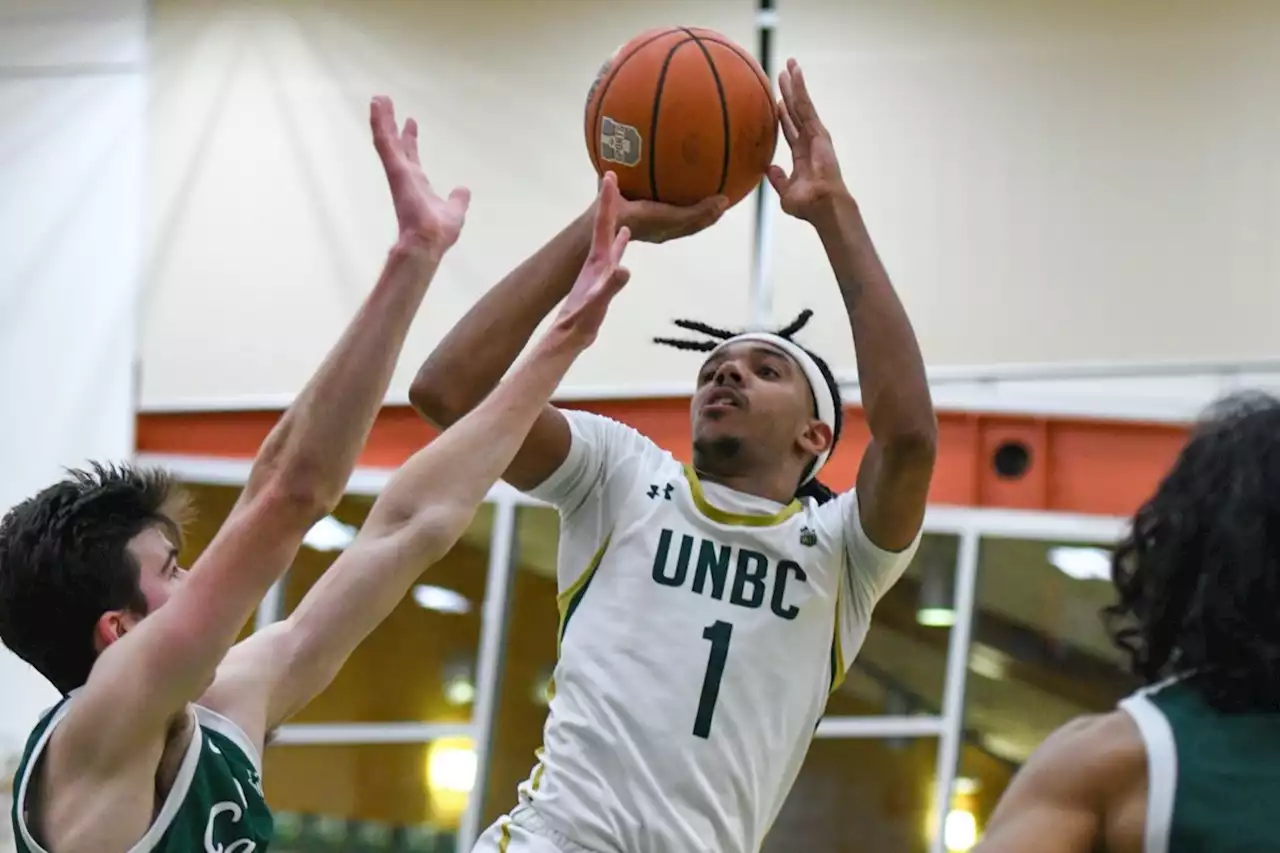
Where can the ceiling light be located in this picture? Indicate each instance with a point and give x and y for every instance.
(440, 599)
(936, 617)
(1082, 564)
(329, 534)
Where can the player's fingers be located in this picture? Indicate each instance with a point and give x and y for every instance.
(620, 243)
(802, 108)
(606, 223)
(617, 281)
(382, 122)
(789, 130)
(461, 197)
(409, 141)
(777, 178)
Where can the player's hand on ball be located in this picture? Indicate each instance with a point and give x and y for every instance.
(655, 222)
(423, 215)
(815, 173)
(602, 276)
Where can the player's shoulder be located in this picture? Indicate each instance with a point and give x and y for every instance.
(1099, 751)
(614, 437)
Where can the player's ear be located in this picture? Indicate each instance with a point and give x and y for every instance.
(111, 626)
(816, 437)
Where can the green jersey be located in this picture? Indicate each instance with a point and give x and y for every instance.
(1213, 778)
(215, 805)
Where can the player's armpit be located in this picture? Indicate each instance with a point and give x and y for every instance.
(543, 452)
(1060, 799)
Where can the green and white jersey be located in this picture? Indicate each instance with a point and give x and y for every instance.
(1213, 779)
(215, 805)
(701, 632)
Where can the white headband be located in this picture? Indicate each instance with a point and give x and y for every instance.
(817, 382)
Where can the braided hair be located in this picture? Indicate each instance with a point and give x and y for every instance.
(716, 336)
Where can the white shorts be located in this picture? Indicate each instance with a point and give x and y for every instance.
(523, 831)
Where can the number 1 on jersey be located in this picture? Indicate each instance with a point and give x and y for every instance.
(719, 635)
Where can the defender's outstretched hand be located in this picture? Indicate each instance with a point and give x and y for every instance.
(815, 173)
(602, 276)
(422, 214)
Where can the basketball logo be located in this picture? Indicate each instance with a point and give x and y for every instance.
(619, 143)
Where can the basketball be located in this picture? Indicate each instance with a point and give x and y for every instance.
(681, 114)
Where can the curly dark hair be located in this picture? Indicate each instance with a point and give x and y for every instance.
(1198, 574)
(64, 562)
(716, 336)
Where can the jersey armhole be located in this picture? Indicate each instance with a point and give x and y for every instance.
(1162, 770)
(230, 730)
(159, 826)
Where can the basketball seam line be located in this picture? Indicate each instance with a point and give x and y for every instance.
(653, 125)
(604, 90)
(766, 86)
(724, 110)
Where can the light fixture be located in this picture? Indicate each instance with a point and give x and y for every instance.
(440, 599)
(459, 683)
(960, 831)
(451, 765)
(966, 786)
(450, 770)
(987, 662)
(936, 617)
(936, 607)
(329, 534)
(1082, 563)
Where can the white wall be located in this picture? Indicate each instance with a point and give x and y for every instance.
(1051, 181)
(71, 101)
(270, 217)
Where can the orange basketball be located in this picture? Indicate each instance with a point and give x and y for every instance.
(682, 114)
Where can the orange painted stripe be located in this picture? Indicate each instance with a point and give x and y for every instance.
(1076, 465)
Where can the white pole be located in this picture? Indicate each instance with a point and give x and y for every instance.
(761, 293)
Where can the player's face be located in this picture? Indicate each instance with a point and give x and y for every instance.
(752, 395)
(159, 574)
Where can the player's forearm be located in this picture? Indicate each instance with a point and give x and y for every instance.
(478, 351)
(315, 445)
(418, 518)
(449, 477)
(891, 375)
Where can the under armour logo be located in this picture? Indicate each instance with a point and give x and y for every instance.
(666, 491)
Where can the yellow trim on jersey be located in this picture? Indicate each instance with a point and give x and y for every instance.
(738, 520)
(567, 601)
(838, 670)
(504, 837)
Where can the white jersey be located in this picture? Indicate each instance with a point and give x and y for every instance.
(701, 632)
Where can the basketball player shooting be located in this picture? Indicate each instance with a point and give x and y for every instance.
(157, 744)
(706, 611)
(1191, 762)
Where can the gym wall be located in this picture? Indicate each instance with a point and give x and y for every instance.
(270, 217)
(1051, 182)
(72, 95)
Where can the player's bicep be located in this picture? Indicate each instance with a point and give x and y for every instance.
(544, 451)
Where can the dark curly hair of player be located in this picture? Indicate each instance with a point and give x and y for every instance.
(64, 561)
(813, 488)
(1198, 575)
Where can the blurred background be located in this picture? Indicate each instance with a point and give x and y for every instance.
(1076, 199)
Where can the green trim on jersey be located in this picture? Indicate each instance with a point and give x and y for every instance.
(1213, 778)
(215, 801)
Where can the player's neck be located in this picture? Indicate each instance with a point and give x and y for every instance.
(769, 486)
